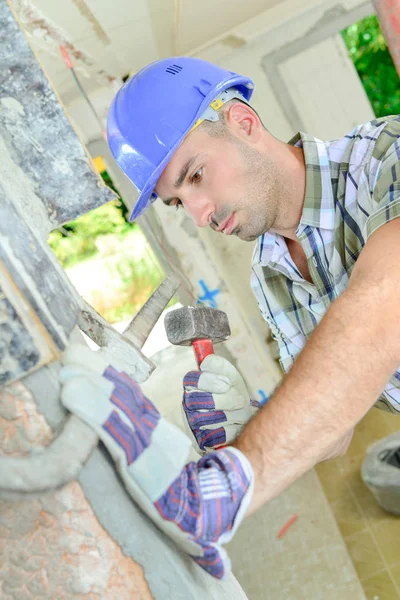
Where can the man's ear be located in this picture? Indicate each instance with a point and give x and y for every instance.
(243, 121)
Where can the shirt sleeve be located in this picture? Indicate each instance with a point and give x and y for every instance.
(386, 207)
(386, 191)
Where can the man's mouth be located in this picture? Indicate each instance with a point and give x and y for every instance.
(228, 225)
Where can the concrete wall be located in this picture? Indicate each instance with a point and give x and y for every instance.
(289, 36)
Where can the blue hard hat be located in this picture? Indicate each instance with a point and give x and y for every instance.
(154, 111)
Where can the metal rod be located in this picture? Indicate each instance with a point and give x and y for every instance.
(141, 325)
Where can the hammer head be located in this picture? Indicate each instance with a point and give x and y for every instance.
(186, 324)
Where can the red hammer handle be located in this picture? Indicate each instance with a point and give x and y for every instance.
(202, 348)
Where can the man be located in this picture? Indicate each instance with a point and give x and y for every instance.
(325, 271)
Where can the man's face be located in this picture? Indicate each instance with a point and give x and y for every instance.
(223, 182)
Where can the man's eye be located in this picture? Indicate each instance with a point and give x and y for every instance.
(196, 178)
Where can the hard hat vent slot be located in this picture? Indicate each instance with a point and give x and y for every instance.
(174, 69)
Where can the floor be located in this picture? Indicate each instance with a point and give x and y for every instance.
(309, 562)
(371, 535)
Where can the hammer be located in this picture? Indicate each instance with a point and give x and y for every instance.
(199, 327)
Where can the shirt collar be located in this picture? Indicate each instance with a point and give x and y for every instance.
(318, 209)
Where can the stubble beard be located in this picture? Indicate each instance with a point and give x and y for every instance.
(260, 205)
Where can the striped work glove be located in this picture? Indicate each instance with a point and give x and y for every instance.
(198, 505)
(216, 403)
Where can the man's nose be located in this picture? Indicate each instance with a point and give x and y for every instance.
(201, 210)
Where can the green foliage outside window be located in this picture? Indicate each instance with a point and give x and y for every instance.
(368, 50)
(76, 241)
(102, 249)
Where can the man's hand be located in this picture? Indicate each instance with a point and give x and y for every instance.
(198, 505)
(216, 403)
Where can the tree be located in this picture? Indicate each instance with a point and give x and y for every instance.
(368, 50)
(76, 240)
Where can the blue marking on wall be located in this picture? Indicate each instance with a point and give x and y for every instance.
(209, 295)
(263, 397)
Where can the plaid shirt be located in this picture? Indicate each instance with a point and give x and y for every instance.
(352, 188)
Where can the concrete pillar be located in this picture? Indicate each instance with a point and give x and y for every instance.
(83, 538)
(388, 13)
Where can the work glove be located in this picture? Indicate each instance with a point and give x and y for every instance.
(216, 404)
(199, 505)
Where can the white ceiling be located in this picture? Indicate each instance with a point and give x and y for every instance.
(119, 37)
